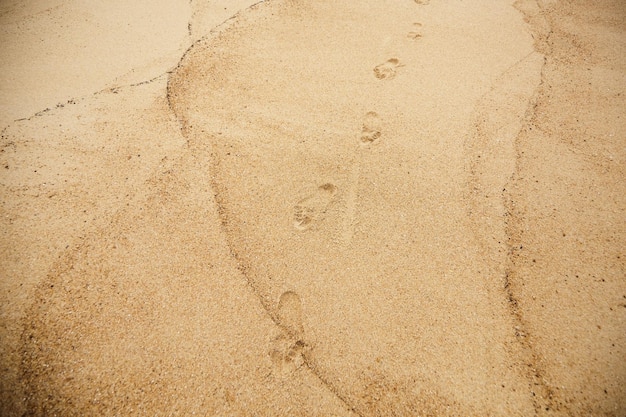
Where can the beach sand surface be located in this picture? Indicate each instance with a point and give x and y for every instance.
(368, 208)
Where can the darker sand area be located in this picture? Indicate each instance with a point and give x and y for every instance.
(366, 208)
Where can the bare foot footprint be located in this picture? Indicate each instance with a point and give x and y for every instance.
(378, 268)
(287, 349)
(286, 354)
(416, 33)
(310, 208)
(388, 69)
(290, 314)
(371, 129)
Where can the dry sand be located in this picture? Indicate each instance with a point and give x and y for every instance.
(365, 208)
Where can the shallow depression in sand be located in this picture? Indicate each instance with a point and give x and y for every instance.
(378, 236)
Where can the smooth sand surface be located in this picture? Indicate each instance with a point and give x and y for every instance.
(365, 208)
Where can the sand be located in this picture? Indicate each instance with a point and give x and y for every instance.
(298, 207)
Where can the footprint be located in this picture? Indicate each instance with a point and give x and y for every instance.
(351, 237)
(387, 70)
(416, 33)
(311, 207)
(371, 129)
(290, 314)
(287, 349)
(287, 354)
(424, 2)
(371, 132)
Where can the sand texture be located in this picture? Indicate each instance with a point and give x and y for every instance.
(313, 208)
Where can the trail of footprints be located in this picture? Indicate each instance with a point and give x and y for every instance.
(314, 206)
(288, 349)
(388, 69)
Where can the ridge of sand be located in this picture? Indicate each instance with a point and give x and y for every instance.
(335, 219)
(566, 200)
(70, 162)
(268, 125)
(54, 51)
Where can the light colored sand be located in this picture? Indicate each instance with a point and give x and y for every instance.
(363, 208)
